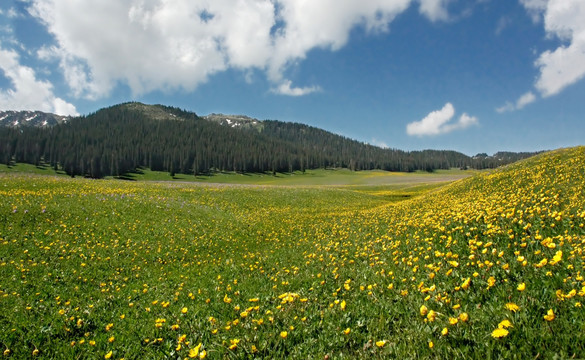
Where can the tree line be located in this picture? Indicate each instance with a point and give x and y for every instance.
(123, 138)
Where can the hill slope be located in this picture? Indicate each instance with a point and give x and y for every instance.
(508, 245)
(488, 265)
(122, 138)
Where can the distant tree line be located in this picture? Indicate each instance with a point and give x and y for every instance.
(121, 139)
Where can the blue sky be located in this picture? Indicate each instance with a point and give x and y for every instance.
(466, 75)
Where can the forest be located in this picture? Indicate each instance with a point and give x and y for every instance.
(123, 138)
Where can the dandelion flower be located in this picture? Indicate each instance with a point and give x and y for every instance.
(521, 287)
(499, 333)
(184, 310)
(505, 324)
(465, 284)
(193, 353)
(445, 332)
(234, 344)
(108, 355)
(346, 331)
(464, 317)
(423, 310)
(550, 315)
(380, 343)
(453, 321)
(512, 307)
(431, 316)
(283, 334)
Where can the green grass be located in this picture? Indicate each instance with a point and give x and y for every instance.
(95, 269)
(330, 177)
(30, 169)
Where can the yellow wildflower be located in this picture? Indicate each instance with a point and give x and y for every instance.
(465, 284)
(193, 353)
(505, 324)
(464, 317)
(550, 315)
(431, 316)
(234, 344)
(499, 333)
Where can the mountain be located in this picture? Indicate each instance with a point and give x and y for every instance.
(125, 137)
(235, 121)
(30, 118)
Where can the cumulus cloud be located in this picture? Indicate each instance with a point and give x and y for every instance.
(27, 92)
(439, 122)
(524, 100)
(162, 44)
(564, 66)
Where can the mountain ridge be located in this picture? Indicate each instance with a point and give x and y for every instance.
(124, 137)
(31, 118)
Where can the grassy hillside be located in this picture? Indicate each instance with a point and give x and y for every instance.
(490, 265)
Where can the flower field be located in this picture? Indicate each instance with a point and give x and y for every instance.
(487, 267)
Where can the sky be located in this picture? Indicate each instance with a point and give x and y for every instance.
(475, 76)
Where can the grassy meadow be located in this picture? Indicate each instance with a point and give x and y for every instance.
(490, 266)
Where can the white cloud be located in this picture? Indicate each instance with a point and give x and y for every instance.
(564, 66)
(524, 100)
(439, 122)
(27, 92)
(434, 9)
(535, 8)
(10, 13)
(163, 44)
(503, 23)
(285, 88)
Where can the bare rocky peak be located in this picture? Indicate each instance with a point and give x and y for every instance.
(234, 121)
(12, 118)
